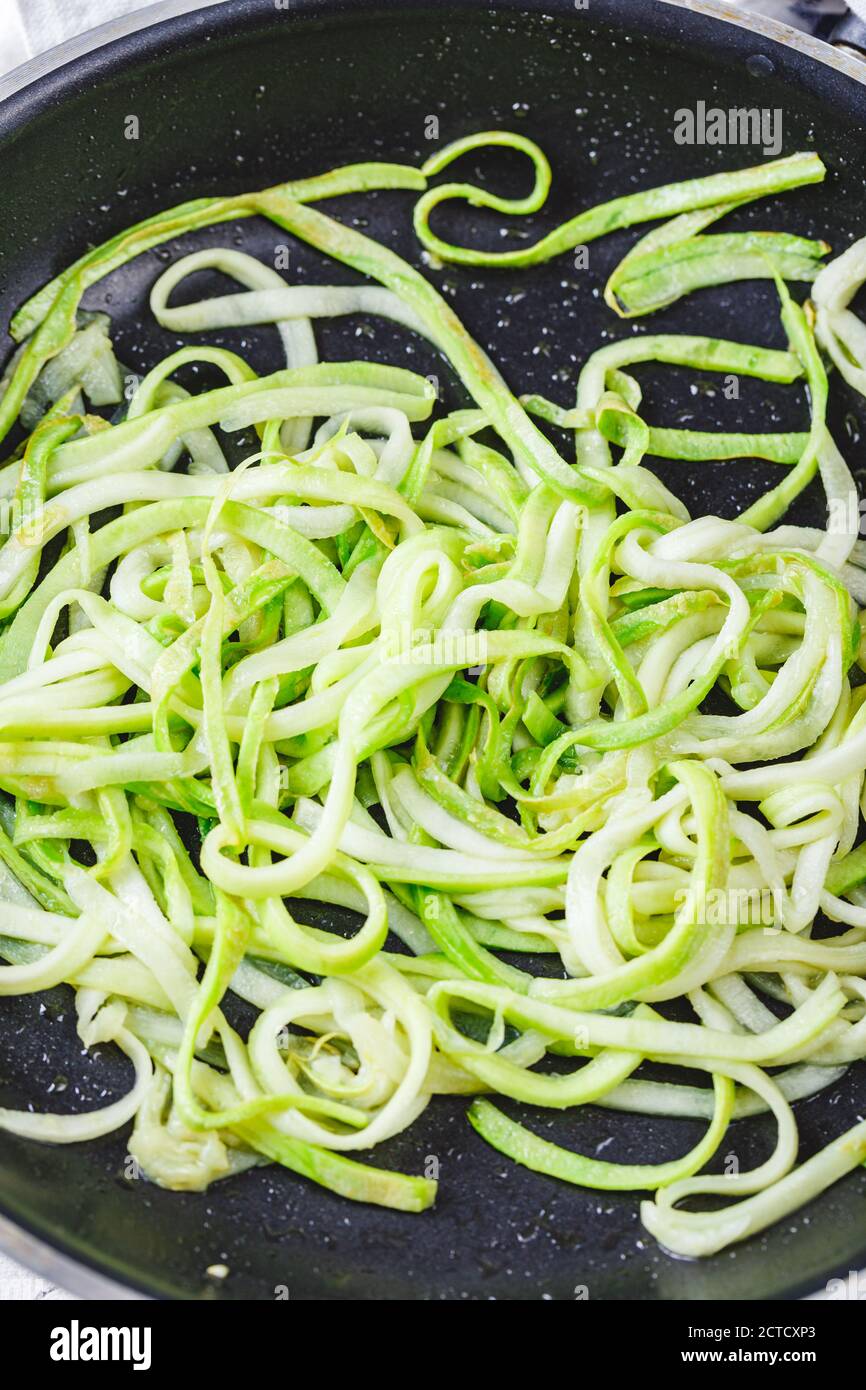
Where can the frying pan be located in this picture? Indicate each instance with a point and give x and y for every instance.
(242, 95)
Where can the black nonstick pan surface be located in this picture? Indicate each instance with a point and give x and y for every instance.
(243, 95)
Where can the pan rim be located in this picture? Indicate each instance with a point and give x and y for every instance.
(63, 1270)
(44, 65)
(47, 78)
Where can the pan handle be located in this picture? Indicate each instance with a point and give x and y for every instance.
(849, 33)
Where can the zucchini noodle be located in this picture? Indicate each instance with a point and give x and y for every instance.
(482, 689)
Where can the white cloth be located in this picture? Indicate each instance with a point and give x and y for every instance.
(14, 49)
(48, 22)
(30, 27)
(18, 1284)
